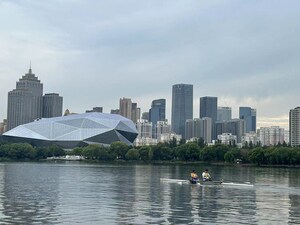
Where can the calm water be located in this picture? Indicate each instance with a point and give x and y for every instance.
(74, 192)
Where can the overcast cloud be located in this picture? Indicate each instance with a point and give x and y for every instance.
(95, 52)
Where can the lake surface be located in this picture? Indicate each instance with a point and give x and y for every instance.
(82, 193)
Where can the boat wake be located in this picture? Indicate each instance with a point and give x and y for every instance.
(221, 183)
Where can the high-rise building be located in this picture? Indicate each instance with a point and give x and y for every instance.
(125, 107)
(157, 112)
(224, 113)
(24, 103)
(249, 115)
(135, 112)
(182, 107)
(129, 109)
(198, 128)
(271, 136)
(52, 105)
(209, 108)
(294, 126)
(235, 127)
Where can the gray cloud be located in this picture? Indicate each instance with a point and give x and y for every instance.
(244, 52)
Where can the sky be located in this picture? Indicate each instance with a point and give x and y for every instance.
(93, 53)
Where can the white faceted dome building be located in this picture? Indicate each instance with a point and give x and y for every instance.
(75, 130)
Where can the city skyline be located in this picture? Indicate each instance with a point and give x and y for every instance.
(94, 54)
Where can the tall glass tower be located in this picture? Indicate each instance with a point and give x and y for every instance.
(249, 115)
(157, 112)
(182, 107)
(209, 108)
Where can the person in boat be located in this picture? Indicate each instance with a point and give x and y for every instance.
(206, 176)
(194, 177)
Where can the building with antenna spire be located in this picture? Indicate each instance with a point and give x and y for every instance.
(25, 102)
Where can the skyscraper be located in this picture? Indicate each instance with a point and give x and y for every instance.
(182, 107)
(294, 125)
(224, 113)
(135, 112)
(157, 112)
(209, 108)
(125, 107)
(198, 128)
(129, 109)
(234, 126)
(249, 115)
(52, 105)
(24, 103)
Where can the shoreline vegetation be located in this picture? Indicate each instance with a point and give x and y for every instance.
(162, 153)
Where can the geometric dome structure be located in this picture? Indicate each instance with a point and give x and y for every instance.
(75, 130)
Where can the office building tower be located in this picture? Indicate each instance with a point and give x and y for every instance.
(294, 126)
(182, 107)
(235, 127)
(96, 109)
(135, 112)
(24, 103)
(129, 109)
(224, 113)
(209, 108)
(157, 112)
(249, 115)
(198, 128)
(125, 107)
(52, 105)
(271, 136)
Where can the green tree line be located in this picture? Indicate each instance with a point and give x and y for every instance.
(171, 151)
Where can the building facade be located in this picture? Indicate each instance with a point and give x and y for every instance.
(162, 128)
(52, 105)
(209, 108)
(157, 112)
(199, 128)
(182, 107)
(250, 137)
(129, 110)
(271, 136)
(144, 129)
(227, 139)
(235, 127)
(24, 103)
(249, 115)
(294, 126)
(125, 107)
(224, 113)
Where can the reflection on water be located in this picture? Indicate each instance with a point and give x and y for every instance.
(76, 192)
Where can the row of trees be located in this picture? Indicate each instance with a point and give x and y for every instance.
(192, 151)
(21, 151)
